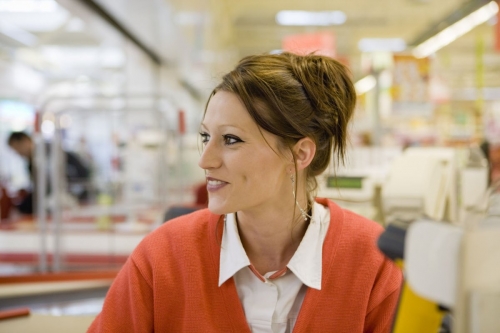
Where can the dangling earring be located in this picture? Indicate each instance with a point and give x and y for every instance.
(302, 211)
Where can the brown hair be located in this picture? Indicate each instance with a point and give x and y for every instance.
(17, 137)
(293, 97)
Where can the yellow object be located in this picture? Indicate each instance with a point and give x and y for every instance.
(416, 314)
(104, 219)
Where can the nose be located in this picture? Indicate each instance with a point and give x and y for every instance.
(210, 157)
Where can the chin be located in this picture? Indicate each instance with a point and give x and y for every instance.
(218, 208)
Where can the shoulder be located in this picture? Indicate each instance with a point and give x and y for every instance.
(353, 231)
(360, 225)
(352, 244)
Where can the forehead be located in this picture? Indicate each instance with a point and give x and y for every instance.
(226, 109)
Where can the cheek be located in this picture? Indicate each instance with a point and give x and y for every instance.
(258, 169)
(267, 175)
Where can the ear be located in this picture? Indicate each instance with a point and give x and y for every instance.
(304, 151)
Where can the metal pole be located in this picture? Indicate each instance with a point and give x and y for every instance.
(377, 127)
(162, 177)
(56, 174)
(40, 159)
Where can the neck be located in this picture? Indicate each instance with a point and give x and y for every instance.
(271, 238)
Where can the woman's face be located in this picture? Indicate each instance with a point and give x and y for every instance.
(243, 172)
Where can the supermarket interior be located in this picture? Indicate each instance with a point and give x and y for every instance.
(101, 103)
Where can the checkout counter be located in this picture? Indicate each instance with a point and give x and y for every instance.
(443, 231)
(57, 302)
(93, 244)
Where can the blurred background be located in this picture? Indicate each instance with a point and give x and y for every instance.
(105, 97)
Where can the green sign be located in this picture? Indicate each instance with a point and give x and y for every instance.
(344, 182)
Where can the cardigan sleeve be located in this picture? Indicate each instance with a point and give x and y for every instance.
(128, 306)
(384, 299)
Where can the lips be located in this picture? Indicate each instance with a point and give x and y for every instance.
(214, 184)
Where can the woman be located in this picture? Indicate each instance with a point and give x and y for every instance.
(264, 256)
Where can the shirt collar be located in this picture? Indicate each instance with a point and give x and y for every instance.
(306, 263)
(232, 254)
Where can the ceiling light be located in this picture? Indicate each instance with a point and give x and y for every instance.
(65, 121)
(48, 127)
(308, 18)
(17, 6)
(365, 84)
(82, 79)
(381, 44)
(456, 30)
(75, 24)
(18, 34)
(17, 113)
(191, 18)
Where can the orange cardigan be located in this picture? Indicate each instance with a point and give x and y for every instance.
(169, 283)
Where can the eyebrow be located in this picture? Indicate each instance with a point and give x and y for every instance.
(223, 126)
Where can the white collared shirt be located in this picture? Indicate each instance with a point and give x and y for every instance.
(272, 302)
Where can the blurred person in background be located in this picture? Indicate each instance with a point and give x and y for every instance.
(267, 255)
(77, 173)
(5, 204)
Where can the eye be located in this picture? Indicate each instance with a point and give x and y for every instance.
(204, 137)
(231, 139)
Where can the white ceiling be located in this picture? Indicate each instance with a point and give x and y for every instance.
(216, 33)
(238, 28)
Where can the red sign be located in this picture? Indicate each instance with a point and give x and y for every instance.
(182, 122)
(37, 123)
(497, 31)
(321, 43)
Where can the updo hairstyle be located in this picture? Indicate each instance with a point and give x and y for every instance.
(293, 97)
